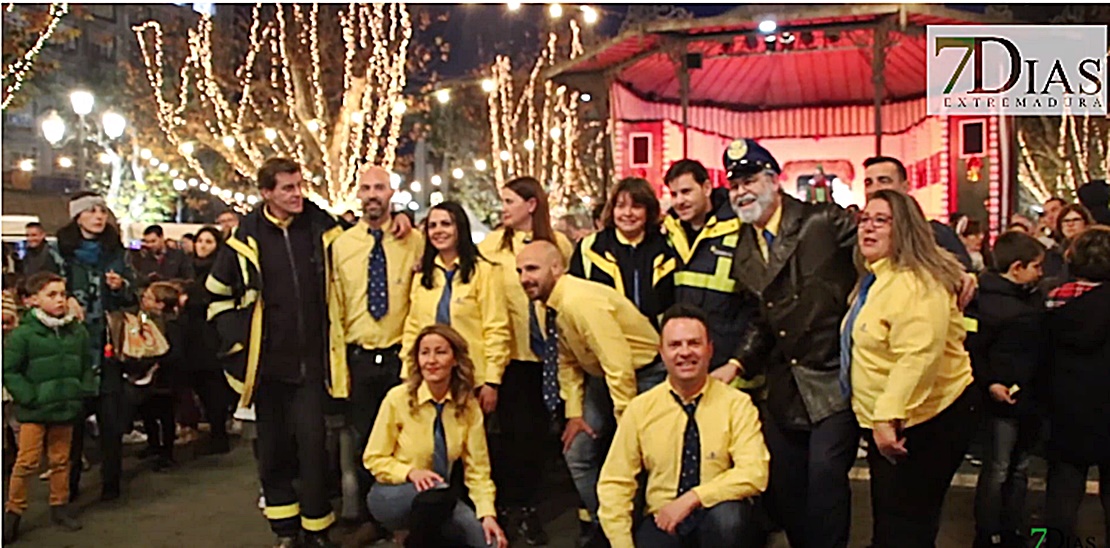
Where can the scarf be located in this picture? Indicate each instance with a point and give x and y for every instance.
(51, 321)
(88, 252)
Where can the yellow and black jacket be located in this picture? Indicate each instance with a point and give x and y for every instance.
(645, 272)
(293, 329)
(705, 276)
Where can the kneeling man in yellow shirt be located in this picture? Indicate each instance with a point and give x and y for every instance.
(702, 447)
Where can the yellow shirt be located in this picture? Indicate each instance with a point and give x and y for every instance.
(351, 258)
(514, 293)
(908, 357)
(403, 440)
(601, 333)
(734, 460)
(478, 312)
(773, 228)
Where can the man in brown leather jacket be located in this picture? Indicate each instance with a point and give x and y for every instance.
(798, 259)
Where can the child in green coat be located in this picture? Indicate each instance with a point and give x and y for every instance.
(48, 372)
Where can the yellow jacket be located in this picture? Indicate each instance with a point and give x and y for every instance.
(403, 439)
(601, 333)
(478, 312)
(734, 460)
(908, 357)
(518, 301)
(351, 259)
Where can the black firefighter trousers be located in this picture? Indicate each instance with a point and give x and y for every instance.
(291, 446)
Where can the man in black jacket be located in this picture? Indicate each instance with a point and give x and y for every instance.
(288, 356)
(40, 256)
(157, 262)
(798, 259)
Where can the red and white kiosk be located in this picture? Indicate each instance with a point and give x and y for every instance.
(821, 87)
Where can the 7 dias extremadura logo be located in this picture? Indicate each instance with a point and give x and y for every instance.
(1017, 70)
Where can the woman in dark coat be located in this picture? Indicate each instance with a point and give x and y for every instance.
(99, 280)
(202, 372)
(1079, 372)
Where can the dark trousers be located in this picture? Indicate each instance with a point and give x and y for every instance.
(373, 374)
(291, 437)
(215, 397)
(111, 410)
(809, 492)
(1067, 487)
(1003, 482)
(907, 497)
(517, 451)
(158, 421)
(728, 524)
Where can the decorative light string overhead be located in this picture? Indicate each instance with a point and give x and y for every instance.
(14, 75)
(279, 103)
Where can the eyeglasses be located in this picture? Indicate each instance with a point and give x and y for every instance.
(877, 221)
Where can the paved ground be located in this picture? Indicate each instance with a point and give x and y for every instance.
(211, 502)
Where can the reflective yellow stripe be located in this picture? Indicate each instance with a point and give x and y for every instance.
(971, 325)
(732, 239)
(254, 347)
(234, 383)
(721, 279)
(245, 250)
(216, 308)
(607, 265)
(282, 512)
(662, 268)
(587, 264)
(741, 383)
(317, 524)
(216, 286)
(677, 236)
(584, 515)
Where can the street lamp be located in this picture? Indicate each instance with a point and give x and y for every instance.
(114, 124)
(53, 128)
(82, 102)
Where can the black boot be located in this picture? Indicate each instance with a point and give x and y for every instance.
(59, 515)
(11, 526)
(109, 493)
(531, 528)
(318, 540)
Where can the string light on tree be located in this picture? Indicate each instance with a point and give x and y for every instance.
(589, 15)
(105, 158)
(164, 168)
(529, 145)
(443, 96)
(480, 165)
(555, 11)
(187, 148)
(193, 182)
(146, 154)
(228, 141)
(415, 186)
(15, 74)
(394, 181)
(504, 155)
(437, 180)
(204, 187)
(488, 85)
(457, 173)
(65, 162)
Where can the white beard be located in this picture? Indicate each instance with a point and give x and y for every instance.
(754, 211)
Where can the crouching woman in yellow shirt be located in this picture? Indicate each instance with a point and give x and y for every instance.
(423, 427)
(902, 346)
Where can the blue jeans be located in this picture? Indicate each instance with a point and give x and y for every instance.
(586, 454)
(392, 504)
(1000, 492)
(724, 525)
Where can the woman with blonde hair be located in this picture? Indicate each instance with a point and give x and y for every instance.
(902, 349)
(518, 450)
(422, 428)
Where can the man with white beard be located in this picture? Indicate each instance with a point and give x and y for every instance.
(798, 258)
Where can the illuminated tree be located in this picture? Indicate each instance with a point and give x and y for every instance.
(321, 84)
(27, 31)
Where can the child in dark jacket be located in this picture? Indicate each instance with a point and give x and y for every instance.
(1006, 349)
(160, 301)
(48, 372)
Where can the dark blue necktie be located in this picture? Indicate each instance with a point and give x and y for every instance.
(636, 287)
(443, 310)
(768, 237)
(846, 336)
(535, 333)
(439, 456)
(690, 473)
(377, 293)
(550, 354)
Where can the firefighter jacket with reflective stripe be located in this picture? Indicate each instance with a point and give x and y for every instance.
(643, 272)
(704, 278)
(237, 306)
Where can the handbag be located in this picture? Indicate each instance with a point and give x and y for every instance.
(138, 343)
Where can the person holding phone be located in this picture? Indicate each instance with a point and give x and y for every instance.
(902, 349)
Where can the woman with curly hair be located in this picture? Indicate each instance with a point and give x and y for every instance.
(422, 428)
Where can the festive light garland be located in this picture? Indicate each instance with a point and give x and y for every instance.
(14, 75)
(276, 113)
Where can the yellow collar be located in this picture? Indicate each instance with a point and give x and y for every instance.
(626, 241)
(881, 266)
(703, 390)
(386, 227)
(424, 394)
(774, 222)
(443, 265)
(555, 299)
(277, 222)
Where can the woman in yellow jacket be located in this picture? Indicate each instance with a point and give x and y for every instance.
(461, 288)
(902, 347)
(518, 456)
(423, 427)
